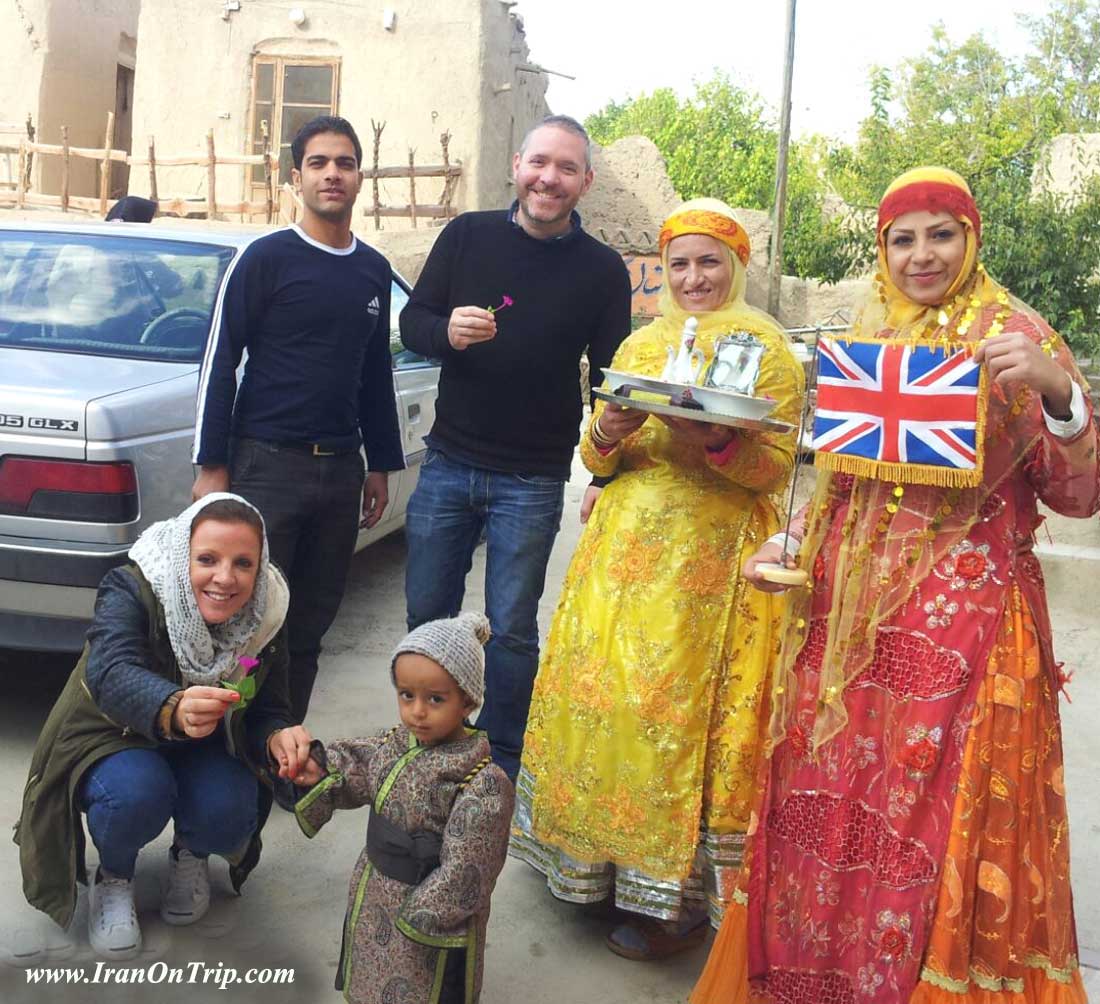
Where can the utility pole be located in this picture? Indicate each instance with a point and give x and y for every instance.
(779, 208)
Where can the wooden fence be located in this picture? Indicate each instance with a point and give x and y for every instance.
(11, 135)
(450, 173)
(171, 205)
(284, 204)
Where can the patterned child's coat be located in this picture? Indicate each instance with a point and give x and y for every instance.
(397, 937)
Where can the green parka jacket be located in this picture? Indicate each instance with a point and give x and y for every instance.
(78, 733)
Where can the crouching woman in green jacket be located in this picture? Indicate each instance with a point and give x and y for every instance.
(177, 707)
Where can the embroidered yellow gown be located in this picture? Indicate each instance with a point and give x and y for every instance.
(641, 744)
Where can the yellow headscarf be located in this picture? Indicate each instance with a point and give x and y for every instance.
(713, 218)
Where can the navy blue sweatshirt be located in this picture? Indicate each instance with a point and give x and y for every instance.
(513, 404)
(316, 324)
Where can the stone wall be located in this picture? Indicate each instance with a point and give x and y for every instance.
(630, 196)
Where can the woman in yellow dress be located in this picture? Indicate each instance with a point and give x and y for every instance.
(638, 766)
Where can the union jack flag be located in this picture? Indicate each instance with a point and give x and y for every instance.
(897, 403)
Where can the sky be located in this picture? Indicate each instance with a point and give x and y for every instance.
(622, 48)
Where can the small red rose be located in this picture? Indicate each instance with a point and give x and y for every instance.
(894, 942)
(970, 565)
(920, 757)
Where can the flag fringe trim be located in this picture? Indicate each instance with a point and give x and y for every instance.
(916, 474)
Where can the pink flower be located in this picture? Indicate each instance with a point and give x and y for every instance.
(506, 301)
(248, 664)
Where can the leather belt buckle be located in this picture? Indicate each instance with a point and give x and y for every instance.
(318, 452)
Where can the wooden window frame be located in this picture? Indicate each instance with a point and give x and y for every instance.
(279, 65)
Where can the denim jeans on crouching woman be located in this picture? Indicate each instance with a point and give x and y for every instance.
(131, 795)
(520, 515)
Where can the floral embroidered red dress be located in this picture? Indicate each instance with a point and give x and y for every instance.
(920, 854)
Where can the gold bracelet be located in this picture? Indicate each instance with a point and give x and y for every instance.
(599, 437)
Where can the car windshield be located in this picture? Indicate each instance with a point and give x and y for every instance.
(107, 295)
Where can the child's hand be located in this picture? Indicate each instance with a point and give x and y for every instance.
(289, 748)
(309, 775)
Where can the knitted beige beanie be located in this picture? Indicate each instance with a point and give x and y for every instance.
(458, 645)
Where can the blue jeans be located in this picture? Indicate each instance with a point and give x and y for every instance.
(131, 795)
(520, 515)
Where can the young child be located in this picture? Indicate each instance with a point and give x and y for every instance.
(437, 837)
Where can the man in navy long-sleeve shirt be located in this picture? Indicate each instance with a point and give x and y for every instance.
(311, 304)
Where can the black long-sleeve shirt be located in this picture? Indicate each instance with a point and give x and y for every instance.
(513, 403)
(316, 324)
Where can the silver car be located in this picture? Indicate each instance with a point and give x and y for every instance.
(102, 330)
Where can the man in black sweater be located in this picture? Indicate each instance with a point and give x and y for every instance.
(509, 301)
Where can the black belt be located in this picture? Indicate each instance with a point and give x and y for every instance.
(398, 854)
(312, 449)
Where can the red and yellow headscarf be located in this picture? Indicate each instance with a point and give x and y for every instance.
(718, 225)
(933, 190)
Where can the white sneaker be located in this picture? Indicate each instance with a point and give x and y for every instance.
(112, 920)
(187, 896)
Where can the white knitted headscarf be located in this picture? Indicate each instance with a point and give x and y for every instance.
(206, 653)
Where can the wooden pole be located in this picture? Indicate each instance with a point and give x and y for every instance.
(412, 187)
(30, 154)
(445, 142)
(267, 169)
(105, 170)
(211, 173)
(153, 170)
(377, 127)
(21, 188)
(779, 209)
(64, 169)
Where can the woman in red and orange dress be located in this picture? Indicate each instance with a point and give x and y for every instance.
(910, 842)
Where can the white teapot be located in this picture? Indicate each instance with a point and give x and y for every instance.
(686, 365)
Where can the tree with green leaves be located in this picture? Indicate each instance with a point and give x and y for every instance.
(1065, 65)
(960, 104)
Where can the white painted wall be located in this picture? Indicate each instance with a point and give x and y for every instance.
(23, 53)
(61, 59)
(78, 83)
(436, 71)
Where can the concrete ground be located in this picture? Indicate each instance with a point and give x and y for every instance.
(540, 951)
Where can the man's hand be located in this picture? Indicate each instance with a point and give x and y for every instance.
(376, 493)
(470, 325)
(289, 748)
(199, 710)
(212, 478)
